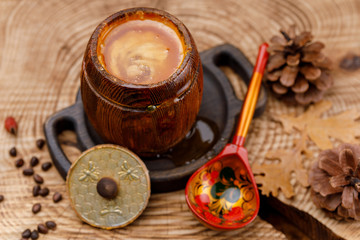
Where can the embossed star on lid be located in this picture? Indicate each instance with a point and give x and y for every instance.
(108, 186)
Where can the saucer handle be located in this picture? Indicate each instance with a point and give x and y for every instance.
(228, 55)
(71, 118)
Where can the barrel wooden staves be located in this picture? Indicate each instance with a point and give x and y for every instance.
(151, 118)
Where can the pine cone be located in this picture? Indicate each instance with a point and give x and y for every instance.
(335, 182)
(297, 71)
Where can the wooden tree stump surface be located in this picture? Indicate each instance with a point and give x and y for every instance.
(41, 48)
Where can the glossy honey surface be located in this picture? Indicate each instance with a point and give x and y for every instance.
(142, 51)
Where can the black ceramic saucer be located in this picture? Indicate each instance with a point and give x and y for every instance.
(211, 132)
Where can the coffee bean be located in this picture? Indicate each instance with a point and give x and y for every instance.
(50, 225)
(44, 192)
(36, 208)
(40, 143)
(1, 198)
(57, 197)
(28, 171)
(46, 166)
(38, 179)
(34, 161)
(19, 163)
(36, 190)
(13, 152)
(26, 233)
(42, 229)
(34, 235)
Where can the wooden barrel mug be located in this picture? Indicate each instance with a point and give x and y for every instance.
(146, 118)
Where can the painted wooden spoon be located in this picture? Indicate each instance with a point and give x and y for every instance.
(223, 194)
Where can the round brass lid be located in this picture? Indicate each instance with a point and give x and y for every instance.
(108, 186)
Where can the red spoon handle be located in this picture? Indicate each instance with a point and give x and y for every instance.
(248, 108)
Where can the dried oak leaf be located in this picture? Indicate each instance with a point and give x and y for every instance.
(341, 126)
(275, 177)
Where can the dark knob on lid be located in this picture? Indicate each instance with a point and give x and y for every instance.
(107, 188)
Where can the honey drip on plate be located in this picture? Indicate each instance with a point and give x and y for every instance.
(197, 143)
(142, 51)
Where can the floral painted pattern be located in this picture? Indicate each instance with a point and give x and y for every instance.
(224, 194)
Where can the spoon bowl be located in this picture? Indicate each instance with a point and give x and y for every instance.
(223, 194)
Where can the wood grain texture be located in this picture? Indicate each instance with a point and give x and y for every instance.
(42, 45)
(173, 103)
(129, 122)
